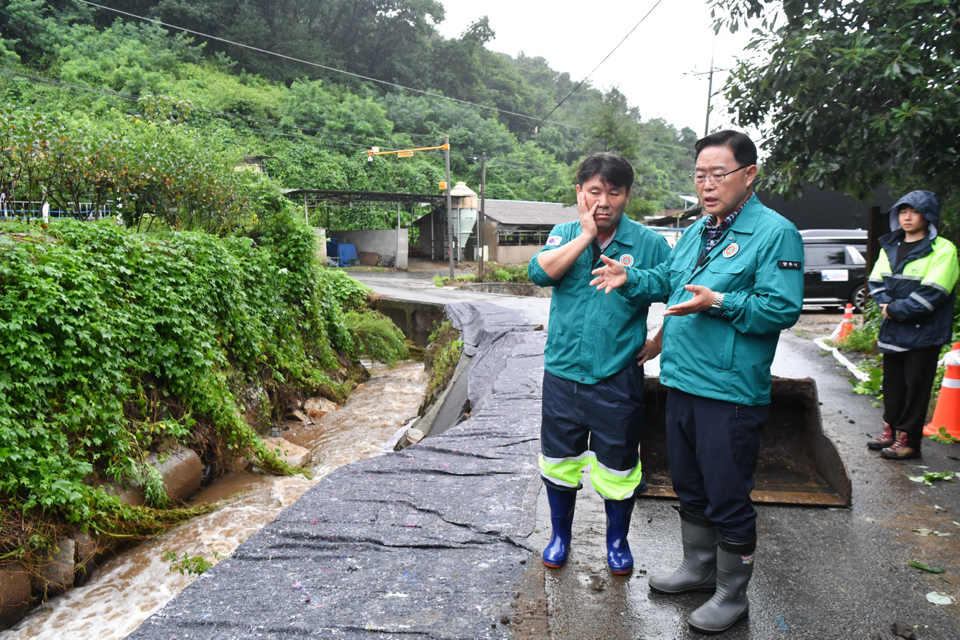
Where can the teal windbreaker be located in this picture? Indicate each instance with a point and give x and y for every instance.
(758, 266)
(593, 336)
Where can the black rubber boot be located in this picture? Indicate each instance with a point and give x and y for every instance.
(698, 570)
(729, 604)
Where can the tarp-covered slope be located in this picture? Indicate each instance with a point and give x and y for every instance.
(423, 543)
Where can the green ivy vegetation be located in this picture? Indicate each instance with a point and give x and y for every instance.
(115, 343)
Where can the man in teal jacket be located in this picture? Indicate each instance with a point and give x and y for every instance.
(592, 386)
(733, 282)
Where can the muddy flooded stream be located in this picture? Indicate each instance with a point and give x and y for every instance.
(127, 589)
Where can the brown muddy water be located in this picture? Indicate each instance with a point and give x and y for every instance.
(127, 589)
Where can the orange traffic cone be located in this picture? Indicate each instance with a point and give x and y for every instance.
(846, 325)
(947, 413)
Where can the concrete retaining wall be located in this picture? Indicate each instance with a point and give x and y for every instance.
(511, 288)
(514, 254)
(381, 241)
(415, 319)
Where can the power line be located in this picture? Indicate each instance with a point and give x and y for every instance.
(320, 66)
(596, 67)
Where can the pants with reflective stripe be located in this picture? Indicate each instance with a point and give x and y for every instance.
(597, 425)
(907, 383)
(713, 448)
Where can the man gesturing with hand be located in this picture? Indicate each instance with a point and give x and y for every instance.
(592, 386)
(732, 283)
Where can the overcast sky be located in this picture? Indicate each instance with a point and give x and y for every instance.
(649, 68)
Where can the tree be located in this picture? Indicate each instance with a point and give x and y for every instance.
(852, 94)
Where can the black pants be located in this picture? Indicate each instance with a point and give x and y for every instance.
(907, 383)
(713, 448)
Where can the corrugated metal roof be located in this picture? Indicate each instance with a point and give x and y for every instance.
(521, 212)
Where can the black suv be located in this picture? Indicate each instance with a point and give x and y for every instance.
(834, 267)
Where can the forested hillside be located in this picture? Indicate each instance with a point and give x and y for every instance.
(73, 61)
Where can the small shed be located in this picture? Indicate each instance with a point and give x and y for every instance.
(514, 230)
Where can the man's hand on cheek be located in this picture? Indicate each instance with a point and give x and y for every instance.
(587, 221)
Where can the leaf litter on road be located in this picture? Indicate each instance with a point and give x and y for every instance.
(925, 567)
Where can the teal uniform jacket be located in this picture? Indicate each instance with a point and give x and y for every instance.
(758, 266)
(592, 335)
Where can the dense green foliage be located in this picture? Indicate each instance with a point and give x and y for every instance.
(853, 94)
(126, 167)
(114, 343)
(316, 124)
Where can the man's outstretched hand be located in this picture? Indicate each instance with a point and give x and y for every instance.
(701, 301)
(610, 276)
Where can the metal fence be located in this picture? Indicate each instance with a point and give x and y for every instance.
(41, 210)
(537, 236)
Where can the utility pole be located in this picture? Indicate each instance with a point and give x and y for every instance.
(709, 74)
(483, 207)
(706, 126)
(446, 158)
(408, 153)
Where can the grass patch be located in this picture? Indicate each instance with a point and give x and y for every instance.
(440, 360)
(442, 281)
(377, 337)
(494, 272)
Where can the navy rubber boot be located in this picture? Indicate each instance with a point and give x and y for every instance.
(562, 504)
(619, 558)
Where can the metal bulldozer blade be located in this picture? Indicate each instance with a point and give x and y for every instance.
(798, 463)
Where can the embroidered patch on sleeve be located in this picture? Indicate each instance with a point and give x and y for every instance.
(554, 241)
(790, 264)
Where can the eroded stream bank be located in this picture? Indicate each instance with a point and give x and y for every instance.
(127, 589)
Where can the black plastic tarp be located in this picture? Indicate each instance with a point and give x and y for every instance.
(424, 543)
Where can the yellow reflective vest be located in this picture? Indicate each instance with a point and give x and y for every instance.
(918, 291)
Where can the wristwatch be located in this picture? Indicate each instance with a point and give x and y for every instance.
(717, 302)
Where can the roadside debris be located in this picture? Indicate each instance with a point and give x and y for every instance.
(903, 630)
(939, 598)
(931, 477)
(924, 567)
(942, 436)
(929, 532)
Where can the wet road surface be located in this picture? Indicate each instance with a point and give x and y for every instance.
(820, 573)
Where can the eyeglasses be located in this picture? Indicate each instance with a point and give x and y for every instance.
(716, 179)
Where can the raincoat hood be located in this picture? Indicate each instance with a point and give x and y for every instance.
(923, 201)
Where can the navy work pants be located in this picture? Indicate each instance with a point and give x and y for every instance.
(597, 425)
(713, 448)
